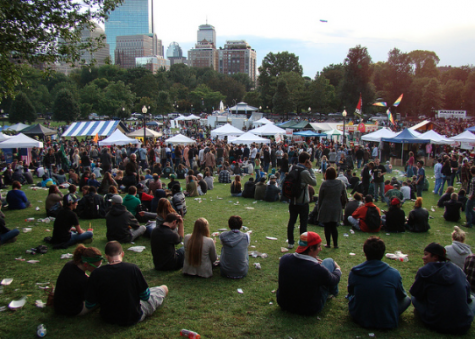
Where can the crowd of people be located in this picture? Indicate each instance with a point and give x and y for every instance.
(277, 173)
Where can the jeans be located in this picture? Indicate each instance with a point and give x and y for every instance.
(295, 211)
(469, 213)
(76, 237)
(444, 180)
(379, 186)
(329, 264)
(358, 162)
(354, 222)
(452, 179)
(419, 190)
(258, 174)
(137, 232)
(9, 235)
(236, 194)
(266, 166)
(438, 183)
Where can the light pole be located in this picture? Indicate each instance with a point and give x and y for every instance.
(144, 111)
(309, 110)
(191, 111)
(344, 120)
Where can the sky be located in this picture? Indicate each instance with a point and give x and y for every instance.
(445, 27)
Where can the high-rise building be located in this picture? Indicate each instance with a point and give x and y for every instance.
(175, 54)
(86, 58)
(208, 33)
(203, 55)
(153, 63)
(237, 56)
(129, 47)
(132, 17)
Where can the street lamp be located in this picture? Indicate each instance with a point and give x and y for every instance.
(144, 111)
(191, 111)
(309, 110)
(344, 120)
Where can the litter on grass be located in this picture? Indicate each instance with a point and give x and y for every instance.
(16, 304)
(66, 256)
(257, 266)
(20, 259)
(137, 249)
(33, 261)
(40, 304)
(249, 208)
(256, 254)
(271, 238)
(3, 308)
(352, 253)
(283, 249)
(240, 291)
(27, 229)
(7, 281)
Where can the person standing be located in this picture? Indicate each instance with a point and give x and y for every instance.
(438, 176)
(298, 206)
(421, 176)
(454, 167)
(366, 177)
(378, 171)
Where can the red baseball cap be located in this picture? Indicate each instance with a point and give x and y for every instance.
(308, 239)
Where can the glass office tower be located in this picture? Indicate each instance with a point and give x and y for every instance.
(132, 17)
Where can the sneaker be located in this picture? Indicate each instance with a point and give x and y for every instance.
(290, 246)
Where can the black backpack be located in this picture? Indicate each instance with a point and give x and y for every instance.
(292, 183)
(373, 219)
(90, 209)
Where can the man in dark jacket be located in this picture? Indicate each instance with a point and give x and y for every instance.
(441, 293)
(272, 191)
(121, 224)
(366, 177)
(106, 160)
(305, 281)
(249, 188)
(452, 208)
(91, 206)
(375, 292)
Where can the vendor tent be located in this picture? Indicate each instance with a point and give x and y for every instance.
(301, 125)
(466, 136)
(91, 128)
(21, 141)
(332, 132)
(262, 121)
(269, 129)
(471, 129)
(321, 126)
(38, 130)
(288, 124)
(377, 135)
(309, 134)
(4, 128)
(4, 137)
(406, 137)
(118, 138)
(436, 138)
(148, 133)
(226, 130)
(249, 138)
(179, 139)
(17, 127)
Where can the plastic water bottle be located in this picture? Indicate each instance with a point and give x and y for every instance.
(41, 331)
(30, 219)
(189, 334)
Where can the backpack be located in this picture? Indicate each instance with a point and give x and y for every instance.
(292, 183)
(373, 219)
(90, 209)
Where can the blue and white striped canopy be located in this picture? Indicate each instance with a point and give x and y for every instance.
(91, 128)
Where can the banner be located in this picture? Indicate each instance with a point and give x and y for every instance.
(289, 131)
(452, 114)
(278, 138)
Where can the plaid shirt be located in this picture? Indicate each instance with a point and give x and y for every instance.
(224, 177)
(469, 269)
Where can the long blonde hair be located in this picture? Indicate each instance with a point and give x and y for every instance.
(194, 245)
(458, 234)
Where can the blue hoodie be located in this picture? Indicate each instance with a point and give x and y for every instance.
(374, 290)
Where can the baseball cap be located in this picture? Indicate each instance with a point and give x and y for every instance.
(173, 176)
(395, 202)
(436, 249)
(69, 199)
(308, 239)
(116, 199)
(140, 186)
(272, 177)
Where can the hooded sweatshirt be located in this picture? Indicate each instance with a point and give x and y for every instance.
(131, 202)
(445, 292)
(457, 252)
(374, 290)
(118, 221)
(234, 261)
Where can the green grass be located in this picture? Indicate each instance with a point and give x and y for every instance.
(212, 307)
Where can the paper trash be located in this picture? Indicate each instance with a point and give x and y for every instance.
(240, 291)
(66, 256)
(7, 281)
(271, 238)
(16, 304)
(33, 261)
(137, 249)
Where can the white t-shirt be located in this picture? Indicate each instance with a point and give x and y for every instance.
(406, 192)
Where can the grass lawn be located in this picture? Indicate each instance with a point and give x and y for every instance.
(212, 307)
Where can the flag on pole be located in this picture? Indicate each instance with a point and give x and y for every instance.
(381, 104)
(390, 116)
(398, 101)
(96, 138)
(358, 106)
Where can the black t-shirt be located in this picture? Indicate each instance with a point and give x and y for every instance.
(454, 164)
(117, 289)
(163, 240)
(62, 226)
(203, 186)
(70, 291)
(379, 169)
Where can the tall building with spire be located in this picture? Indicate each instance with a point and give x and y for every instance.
(208, 33)
(204, 54)
(133, 17)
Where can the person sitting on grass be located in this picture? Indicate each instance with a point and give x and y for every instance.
(224, 176)
(70, 289)
(172, 182)
(167, 170)
(120, 290)
(306, 281)
(418, 220)
(394, 193)
(6, 235)
(122, 226)
(236, 190)
(441, 293)
(66, 229)
(366, 218)
(53, 201)
(458, 250)
(249, 188)
(202, 185)
(234, 261)
(446, 196)
(452, 208)
(200, 251)
(191, 186)
(16, 198)
(260, 191)
(131, 202)
(394, 219)
(163, 240)
(375, 292)
(352, 206)
(272, 191)
(209, 179)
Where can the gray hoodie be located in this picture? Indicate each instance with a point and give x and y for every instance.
(234, 261)
(457, 252)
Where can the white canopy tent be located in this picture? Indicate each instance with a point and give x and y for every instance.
(118, 138)
(268, 129)
(179, 139)
(21, 141)
(262, 121)
(189, 117)
(249, 138)
(4, 137)
(466, 136)
(17, 127)
(321, 126)
(377, 135)
(148, 133)
(225, 130)
(436, 138)
(332, 132)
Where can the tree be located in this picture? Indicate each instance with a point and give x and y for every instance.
(424, 64)
(432, 98)
(244, 79)
(22, 110)
(322, 98)
(31, 31)
(164, 105)
(412, 102)
(117, 96)
(297, 90)
(146, 86)
(229, 87)
(334, 73)
(205, 99)
(453, 91)
(281, 100)
(468, 95)
(182, 74)
(40, 96)
(357, 79)
(90, 98)
(253, 99)
(65, 107)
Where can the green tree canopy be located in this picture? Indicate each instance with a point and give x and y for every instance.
(205, 99)
(164, 104)
(22, 110)
(432, 98)
(281, 100)
(117, 96)
(65, 107)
